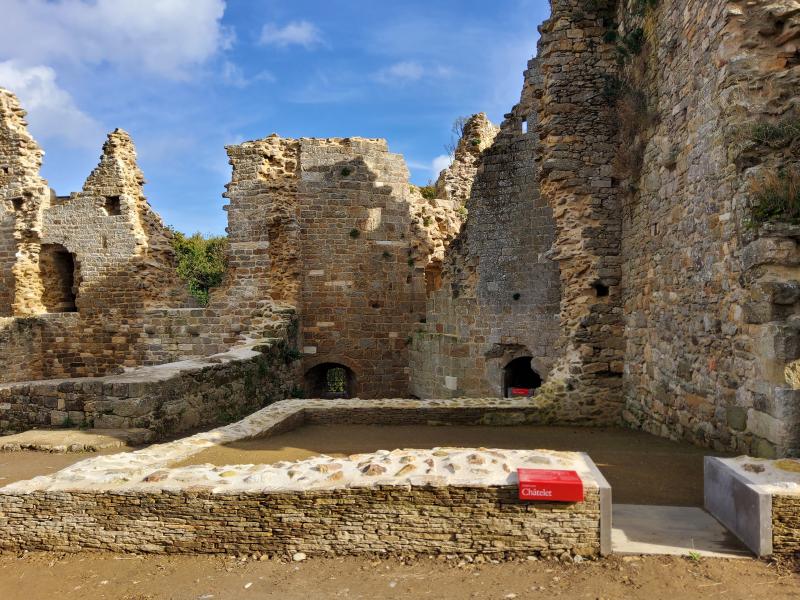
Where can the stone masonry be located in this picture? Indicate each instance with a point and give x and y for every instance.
(437, 501)
(497, 276)
(607, 239)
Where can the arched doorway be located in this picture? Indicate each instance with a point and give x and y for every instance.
(519, 378)
(330, 380)
(59, 277)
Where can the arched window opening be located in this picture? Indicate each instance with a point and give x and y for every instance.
(59, 277)
(330, 380)
(519, 378)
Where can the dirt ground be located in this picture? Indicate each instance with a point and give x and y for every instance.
(642, 469)
(97, 577)
(19, 466)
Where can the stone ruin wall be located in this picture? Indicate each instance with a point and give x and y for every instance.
(709, 301)
(643, 297)
(362, 291)
(675, 316)
(78, 270)
(498, 299)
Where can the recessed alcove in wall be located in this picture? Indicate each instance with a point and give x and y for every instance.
(59, 275)
(330, 380)
(519, 375)
(112, 205)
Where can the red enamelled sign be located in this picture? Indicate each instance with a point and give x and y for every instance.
(539, 485)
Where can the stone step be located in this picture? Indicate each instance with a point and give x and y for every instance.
(673, 530)
(74, 440)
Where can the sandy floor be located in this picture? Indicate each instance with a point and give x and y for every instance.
(97, 577)
(19, 466)
(641, 469)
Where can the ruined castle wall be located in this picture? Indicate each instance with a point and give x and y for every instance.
(708, 301)
(165, 399)
(23, 196)
(362, 292)
(499, 296)
(577, 136)
(261, 275)
(85, 268)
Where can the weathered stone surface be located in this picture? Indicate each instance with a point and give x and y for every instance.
(136, 502)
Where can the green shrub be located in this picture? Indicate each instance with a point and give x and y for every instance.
(428, 192)
(776, 198)
(201, 262)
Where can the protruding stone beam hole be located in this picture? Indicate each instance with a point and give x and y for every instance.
(433, 276)
(601, 289)
(60, 278)
(519, 378)
(18, 204)
(112, 205)
(330, 380)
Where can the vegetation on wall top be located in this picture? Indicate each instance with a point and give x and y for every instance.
(201, 262)
(776, 197)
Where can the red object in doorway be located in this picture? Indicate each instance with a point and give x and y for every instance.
(540, 485)
(521, 392)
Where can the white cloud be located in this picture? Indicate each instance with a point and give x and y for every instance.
(165, 37)
(440, 163)
(52, 111)
(410, 71)
(297, 33)
(233, 75)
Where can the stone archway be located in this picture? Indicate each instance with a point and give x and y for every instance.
(330, 380)
(518, 375)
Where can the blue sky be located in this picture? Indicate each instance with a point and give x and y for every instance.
(187, 77)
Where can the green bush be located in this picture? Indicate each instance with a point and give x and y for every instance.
(201, 262)
(428, 192)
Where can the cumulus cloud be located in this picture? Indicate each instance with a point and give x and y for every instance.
(296, 33)
(410, 71)
(440, 163)
(52, 111)
(165, 37)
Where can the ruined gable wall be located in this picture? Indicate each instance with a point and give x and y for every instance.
(261, 275)
(124, 263)
(499, 294)
(362, 290)
(709, 302)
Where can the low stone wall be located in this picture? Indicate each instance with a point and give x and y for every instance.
(438, 501)
(166, 399)
(786, 525)
(384, 519)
